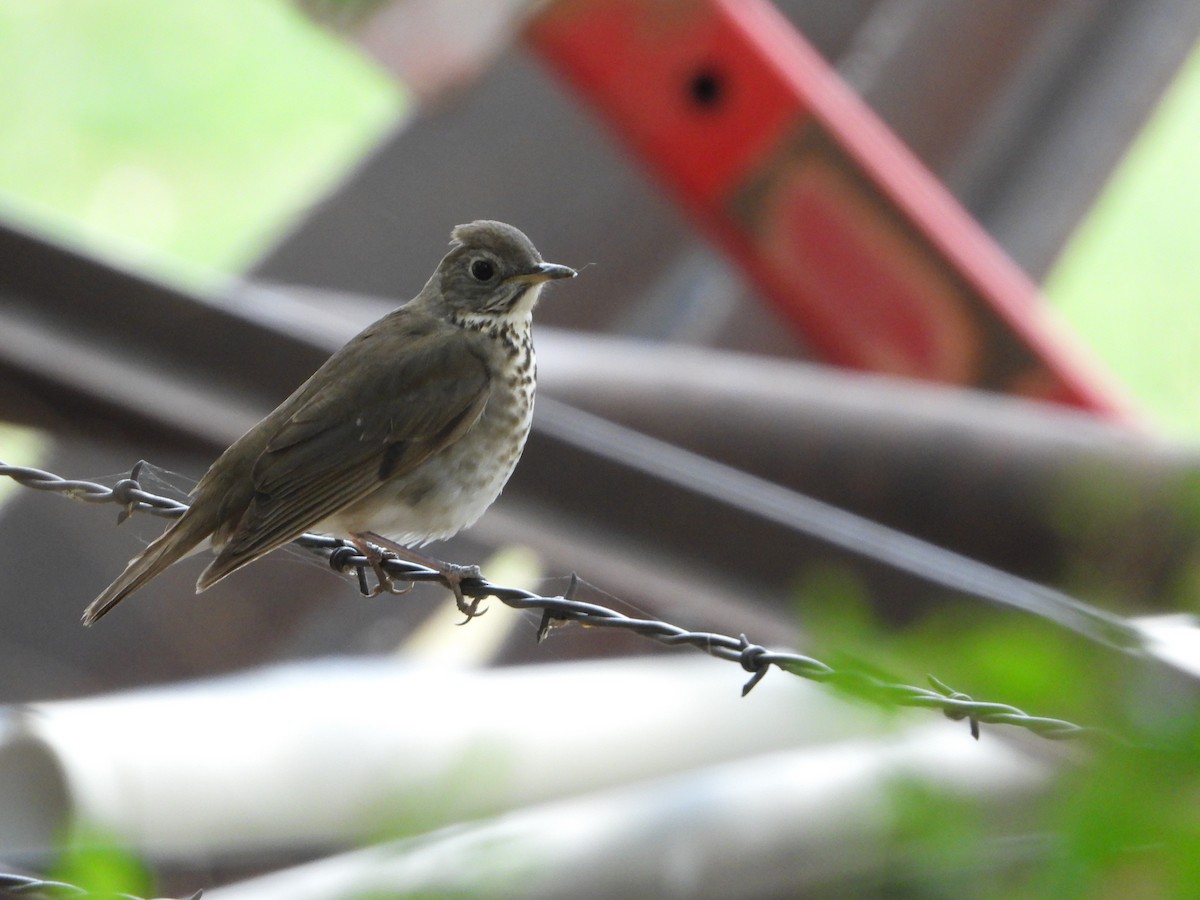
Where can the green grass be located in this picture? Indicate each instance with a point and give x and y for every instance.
(184, 131)
(1129, 280)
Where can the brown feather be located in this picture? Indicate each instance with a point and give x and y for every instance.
(332, 451)
(408, 387)
(170, 547)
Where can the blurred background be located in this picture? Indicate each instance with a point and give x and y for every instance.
(199, 202)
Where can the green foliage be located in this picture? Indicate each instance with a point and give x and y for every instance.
(1129, 819)
(1121, 815)
(1128, 280)
(834, 610)
(190, 131)
(938, 845)
(984, 651)
(92, 861)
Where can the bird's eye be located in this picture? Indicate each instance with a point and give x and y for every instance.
(482, 270)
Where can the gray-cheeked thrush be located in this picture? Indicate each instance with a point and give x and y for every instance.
(405, 435)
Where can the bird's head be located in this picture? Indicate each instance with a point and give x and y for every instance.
(492, 272)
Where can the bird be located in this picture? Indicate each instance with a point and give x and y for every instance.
(406, 435)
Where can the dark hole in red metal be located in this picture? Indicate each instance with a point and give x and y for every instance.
(707, 88)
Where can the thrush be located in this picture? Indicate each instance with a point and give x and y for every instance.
(404, 436)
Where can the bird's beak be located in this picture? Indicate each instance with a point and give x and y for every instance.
(545, 272)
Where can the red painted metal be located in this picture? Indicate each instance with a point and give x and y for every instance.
(827, 213)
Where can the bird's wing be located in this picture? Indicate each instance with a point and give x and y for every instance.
(334, 449)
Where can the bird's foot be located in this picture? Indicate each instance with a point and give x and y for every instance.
(384, 583)
(453, 576)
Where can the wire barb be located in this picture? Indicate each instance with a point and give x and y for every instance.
(755, 659)
(126, 491)
(955, 715)
(549, 619)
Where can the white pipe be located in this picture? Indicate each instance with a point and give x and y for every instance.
(818, 820)
(304, 757)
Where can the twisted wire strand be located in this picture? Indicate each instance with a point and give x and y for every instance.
(21, 886)
(344, 557)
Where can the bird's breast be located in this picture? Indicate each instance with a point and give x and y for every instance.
(454, 487)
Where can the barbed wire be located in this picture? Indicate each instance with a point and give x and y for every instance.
(753, 658)
(25, 888)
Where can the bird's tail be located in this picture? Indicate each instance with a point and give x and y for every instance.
(174, 544)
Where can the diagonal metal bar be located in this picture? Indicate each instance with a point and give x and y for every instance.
(835, 526)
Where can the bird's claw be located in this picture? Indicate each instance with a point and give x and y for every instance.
(389, 585)
(453, 576)
(370, 545)
(384, 583)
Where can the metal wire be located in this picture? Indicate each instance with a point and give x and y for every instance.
(39, 889)
(753, 658)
